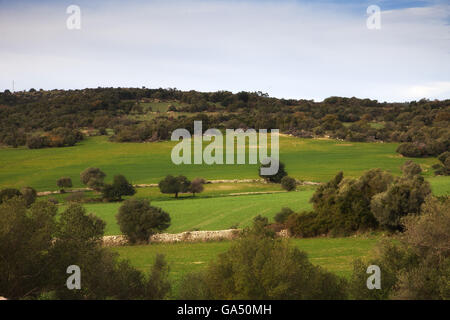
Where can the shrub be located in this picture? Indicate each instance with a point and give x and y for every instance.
(64, 182)
(417, 266)
(403, 197)
(138, 220)
(410, 168)
(259, 267)
(288, 183)
(305, 225)
(9, 193)
(120, 187)
(196, 186)
(37, 142)
(29, 194)
(276, 178)
(93, 178)
(282, 216)
(175, 185)
(75, 197)
(53, 200)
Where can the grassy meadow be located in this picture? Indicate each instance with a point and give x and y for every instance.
(215, 213)
(333, 254)
(305, 159)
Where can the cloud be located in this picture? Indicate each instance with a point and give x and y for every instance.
(289, 49)
(439, 90)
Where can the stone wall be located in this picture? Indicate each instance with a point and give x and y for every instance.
(188, 236)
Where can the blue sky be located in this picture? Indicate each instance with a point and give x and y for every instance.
(291, 49)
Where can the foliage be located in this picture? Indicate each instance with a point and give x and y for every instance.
(64, 182)
(259, 267)
(444, 167)
(418, 265)
(196, 186)
(176, 185)
(282, 216)
(29, 194)
(288, 183)
(119, 188)
(36, 249)
(405, 196)
(9, 193)
(93, 178)
(275, 178)
(138, 220)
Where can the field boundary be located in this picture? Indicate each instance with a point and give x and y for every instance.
(151, 185)
(187, 236)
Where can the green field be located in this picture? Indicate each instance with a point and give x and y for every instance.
(334, 254)
(211, 213)
(306, 159)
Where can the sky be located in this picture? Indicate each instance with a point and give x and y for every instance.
(288, 49)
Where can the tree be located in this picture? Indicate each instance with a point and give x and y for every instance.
(25, 241)
(36, 249)
(276, 178)
(176, 185)
(343, 206)
(64, 182)
(288, 183)
(443, 168)
(410, 168)
(259, 267)
(119, 188)
(29, 194)
(9, 193)
(403, 197)
(93, 178)
(282, 216)
(138, 220)
(417, 265)
(196, 186)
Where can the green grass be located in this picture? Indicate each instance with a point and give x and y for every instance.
(210, 190)
(306, 159)
(333, 254)
(211, 213)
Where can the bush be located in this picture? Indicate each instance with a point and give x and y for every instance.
(29, 194)
(175, 185)
(138, 220)
(75, 197)
(120, 187)
(9, 193)
(196, 186)
(305, 225)
(288, 183)
(276, 178)
(93, 178)
(403, 197)
(282, 216)
(417, 266)
(37, 142)
(64, 182)
(259, 267)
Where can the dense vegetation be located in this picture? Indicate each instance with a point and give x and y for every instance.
(56, 118)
